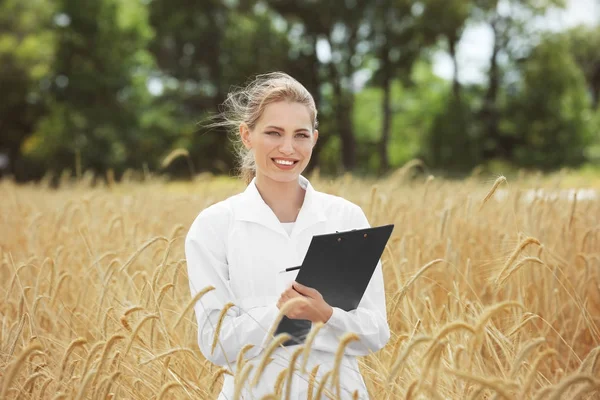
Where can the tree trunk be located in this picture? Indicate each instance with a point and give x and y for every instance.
(387, 115)
(452, 41)
(489, 112)
(342, 111)
(313, 87)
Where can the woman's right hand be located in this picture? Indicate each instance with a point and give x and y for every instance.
(315, 309)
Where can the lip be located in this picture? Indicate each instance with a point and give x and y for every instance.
(285, 167)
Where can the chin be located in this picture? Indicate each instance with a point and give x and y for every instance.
(283, 176)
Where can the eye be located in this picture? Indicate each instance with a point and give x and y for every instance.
(303, 135)
(272, 133)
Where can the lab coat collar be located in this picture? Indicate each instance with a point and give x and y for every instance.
(253, 208)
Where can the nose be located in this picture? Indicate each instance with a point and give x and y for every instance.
(287, 146)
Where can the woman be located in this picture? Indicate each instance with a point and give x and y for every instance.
(241, 244)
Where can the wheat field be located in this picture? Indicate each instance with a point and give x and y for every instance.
(491, 293)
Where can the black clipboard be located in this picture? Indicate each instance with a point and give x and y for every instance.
(340, 266)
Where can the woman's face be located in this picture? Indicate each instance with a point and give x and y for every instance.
(282, 141)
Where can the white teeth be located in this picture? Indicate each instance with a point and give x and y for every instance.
(284, 162)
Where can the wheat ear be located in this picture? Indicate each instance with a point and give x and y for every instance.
(573, 380)
(193, 302)
(308, 344)
(80, 341)
(489, 194)
(243, 376)
(107, 347)
(311, 381)
(136, 330)
(398, 364)
(280, 381)
(527, 241)
(240, 358)
(166, 387)
(523, 355)
(533, 370)
(279, 340)
(494, 384)
(218, 327)
(291, 369)
(14, 367)
(322, 384)
(339, 354)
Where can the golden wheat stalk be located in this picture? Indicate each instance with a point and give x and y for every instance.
(218, 327)
(107, 383)
(278, 341)
(80, 341)
(222, 371)
(316, 327)
(92, 353)
(173, 155)
(168, 353)
(240, 380)
(523, 355)
(497, 385)
(290, 370)
(527, 241)
(406, 286)
(500, 281)
(572, 381)
(533, 370)
(16, 365)
(136, 331)
(240, 358)
(141, 249)
(345, 340)
(589, 363)
(311, 380)
(192, 303)
(166, 387)
(400, 361)
(107, 347)
(321, 388)
(490, 193)
(283, 311)
(84, 384)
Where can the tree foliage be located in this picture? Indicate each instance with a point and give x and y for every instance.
(114, 84)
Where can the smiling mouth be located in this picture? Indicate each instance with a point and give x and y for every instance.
(284, 162)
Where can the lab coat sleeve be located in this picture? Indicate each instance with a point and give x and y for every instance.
(207, 266)
(368, 320)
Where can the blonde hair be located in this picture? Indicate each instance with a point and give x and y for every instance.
(247, 104)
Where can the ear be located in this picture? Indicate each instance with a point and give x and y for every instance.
(245, 135)
(316, 137)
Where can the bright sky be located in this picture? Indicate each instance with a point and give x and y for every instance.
(475, 47)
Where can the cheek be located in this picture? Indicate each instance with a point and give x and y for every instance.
(305, 146)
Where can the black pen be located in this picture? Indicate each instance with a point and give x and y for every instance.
(293, 268)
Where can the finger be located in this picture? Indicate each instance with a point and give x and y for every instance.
(291, 293)
(306, 291)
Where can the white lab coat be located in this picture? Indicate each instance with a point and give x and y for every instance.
(239, 246)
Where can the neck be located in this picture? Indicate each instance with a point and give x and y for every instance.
(284, 198)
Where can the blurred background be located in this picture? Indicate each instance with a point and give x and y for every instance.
(112, 85)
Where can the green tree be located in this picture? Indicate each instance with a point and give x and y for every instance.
(98, 88)
(584, 42)
(510, 24)
(26, 54)
(202, 49)
(551, 110)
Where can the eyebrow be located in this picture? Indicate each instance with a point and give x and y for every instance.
(281, 129)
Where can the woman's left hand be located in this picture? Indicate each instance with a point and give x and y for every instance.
(317, 309)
